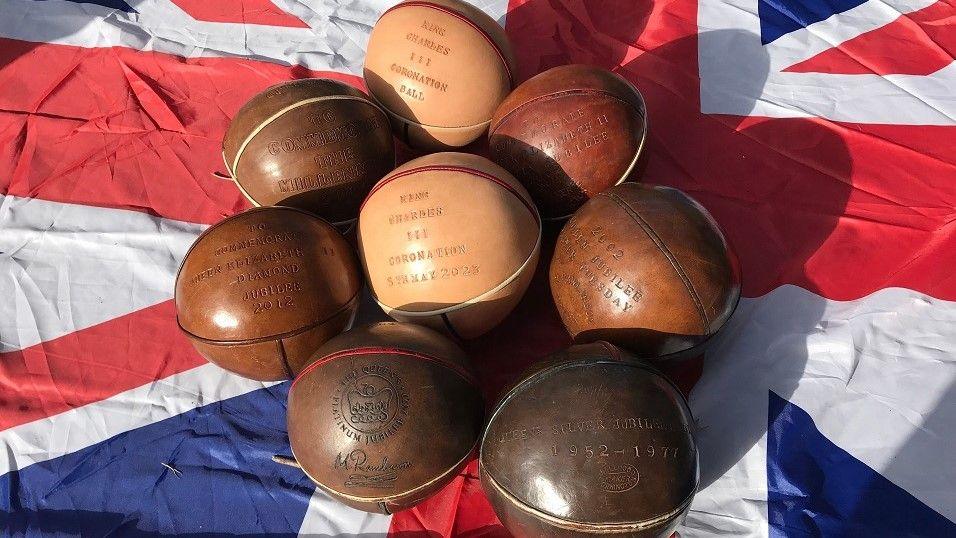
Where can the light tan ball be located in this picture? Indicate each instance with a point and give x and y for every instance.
(439, 68)
(450, 241)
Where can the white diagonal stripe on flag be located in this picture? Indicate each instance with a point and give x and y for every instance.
(78, 428)
(335, 40)
(877, 374)
(69, 266)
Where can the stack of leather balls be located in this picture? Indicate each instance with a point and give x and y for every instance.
(447, 244)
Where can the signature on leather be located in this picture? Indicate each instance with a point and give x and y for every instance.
(364, 474)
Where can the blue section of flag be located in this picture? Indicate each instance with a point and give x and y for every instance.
(114, 4)
(226, 482)
(779, 17)
(815, 488)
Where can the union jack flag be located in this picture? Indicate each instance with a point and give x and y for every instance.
(819, 133)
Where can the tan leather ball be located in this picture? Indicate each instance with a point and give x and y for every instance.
(260, 291)
(646, 268)
(439, 68)
(385, 416)
(315, 144)
(449, 240)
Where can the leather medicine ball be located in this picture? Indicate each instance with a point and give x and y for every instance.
(439, 68)
(451, 241)
(314, 144)
(646, 268)
(260, 291)
(590, 442)
(568, 134)
(384, 416)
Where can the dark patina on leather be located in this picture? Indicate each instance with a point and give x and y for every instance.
(315, 144)
(591, 441)
(646, 268)
(260, 291)
(385, 415)
(568, 134)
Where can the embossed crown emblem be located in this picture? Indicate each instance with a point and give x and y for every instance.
(369, 405)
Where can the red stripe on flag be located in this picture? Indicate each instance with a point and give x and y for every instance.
(92, 364)
(115, 127)
(918, 43)
(840, 209)
(240, 12)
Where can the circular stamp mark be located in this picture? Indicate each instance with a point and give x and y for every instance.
(370, 403)
(619, 478)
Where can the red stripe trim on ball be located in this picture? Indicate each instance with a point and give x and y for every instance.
(469, 22)
(359, 351)
(463, 169)
(569, 93)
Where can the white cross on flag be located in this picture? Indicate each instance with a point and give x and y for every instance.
(821, 134)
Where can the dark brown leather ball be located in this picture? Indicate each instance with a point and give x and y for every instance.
(315, 144)
(260, 291)
(568, 134)
(646, 268)
(592, 441)
(385, 415)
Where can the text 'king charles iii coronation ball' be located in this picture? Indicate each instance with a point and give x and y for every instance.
(385, 416)
(314, 144)
(449, 240)
(568, 134)
(646, 268)
(591, 441)
(439, 68)
(260, 291)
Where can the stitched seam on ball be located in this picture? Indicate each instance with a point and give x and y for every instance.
(430, 126)
(396, 495)
(380, 350)
(284, 359)
(667, 253)
(466, 20)
(260, 339)
(599, 528)
(449, 326)
(265, 123)
(566, 93)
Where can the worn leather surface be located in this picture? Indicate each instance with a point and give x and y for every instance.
(568, 134)
(258, 292)
(322, 156)
(646, 268)
(385, 415)
(439, 67)
(590, 441)
(449, 240)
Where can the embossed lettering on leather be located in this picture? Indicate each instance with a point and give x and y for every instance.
(439, 68)
(315, 144)
(385, 415)
(258, 292)
(646, 268)
(591, 441)
(568, 134)
(449, 240)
